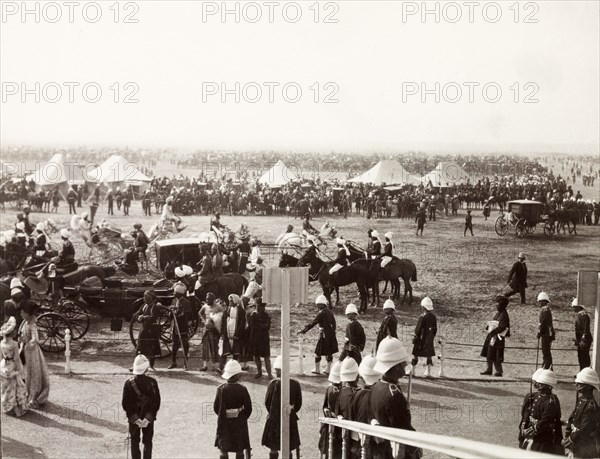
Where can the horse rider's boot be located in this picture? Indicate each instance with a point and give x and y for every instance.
(258, 367)
(268, 367)
(327, 367)
(317, 370)
(427, 372)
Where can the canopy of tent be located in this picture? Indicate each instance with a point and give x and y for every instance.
(117, 169)
(389, 172)
(57, 171)
(446, 174)
(278, 176)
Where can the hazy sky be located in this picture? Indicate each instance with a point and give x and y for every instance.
(372, 58)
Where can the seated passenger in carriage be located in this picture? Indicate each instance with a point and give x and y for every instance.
(216, 226)
(387, 250)
(169, 216)
(342, 257)
(307, 227)
(40, 241)
(66, 256)
(255, 252)
(20, 235)
(129, 263)
(141, 241)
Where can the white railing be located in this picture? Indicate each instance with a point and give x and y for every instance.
(451, 446)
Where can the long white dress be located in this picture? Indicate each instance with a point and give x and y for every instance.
(37, 377)
(14, 391)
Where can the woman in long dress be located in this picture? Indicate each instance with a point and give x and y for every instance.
(37, 378)
(14, 391)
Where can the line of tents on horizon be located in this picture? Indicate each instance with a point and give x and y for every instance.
(116, 171)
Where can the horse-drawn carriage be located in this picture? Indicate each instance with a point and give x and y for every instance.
(524, 216)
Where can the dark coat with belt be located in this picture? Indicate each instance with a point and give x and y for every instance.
(389, 407)
(232, 432)
(327, 343)
(355, 340)
(582, 425)
(259, 324)
(493, 346)
(517, 278)
(271, 433)
(145, 407)
(583, 335)
(331, 395)
(545, 411)
(425, 332)
(148, 340)
(388, 327)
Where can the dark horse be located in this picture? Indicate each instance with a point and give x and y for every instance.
(222, 287)
(399, 268)
(362, 272)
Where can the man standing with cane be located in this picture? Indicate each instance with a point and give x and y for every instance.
(141, 402)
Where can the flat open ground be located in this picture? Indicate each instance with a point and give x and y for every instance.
(461, 275)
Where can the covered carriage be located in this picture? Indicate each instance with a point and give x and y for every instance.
(524, 215)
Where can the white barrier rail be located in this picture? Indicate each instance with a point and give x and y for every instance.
(451, 446)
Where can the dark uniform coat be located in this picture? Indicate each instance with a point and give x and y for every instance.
(388, 327)
(259, 324)
(271, 434)
(232, 432)
(244, 251)
(148, 340)
(425, 332)
(329, 402)
(67, 254)
(327, 343)
(355, 341)
(583, 423)
(493, 346)
(390, 409)
(583, 336)
(141, 408)
(545, 416)
(343, 407)
(375, 250)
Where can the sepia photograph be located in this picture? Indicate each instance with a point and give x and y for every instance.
(351, 229)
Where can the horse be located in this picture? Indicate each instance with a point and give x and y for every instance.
(221, 287)
(396, 269)
(361, 272)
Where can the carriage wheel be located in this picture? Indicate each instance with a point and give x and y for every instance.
(521, 228)
(114, 251)
(96, 253)
(501, 226)
(548, 229)
(51, 331)
(164, 322)
(77, 315)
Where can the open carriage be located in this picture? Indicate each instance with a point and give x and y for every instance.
(524, 216)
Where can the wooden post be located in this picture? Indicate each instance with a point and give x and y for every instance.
(441, 357)
(301, 355)
(68, 351)
(285, 364)
(596, 331)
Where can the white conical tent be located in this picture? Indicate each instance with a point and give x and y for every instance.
(117, 169)
(446, 174)
(54, 172)
(389, 172)
(278, 176)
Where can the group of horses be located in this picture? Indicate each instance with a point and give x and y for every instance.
(365, 272)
